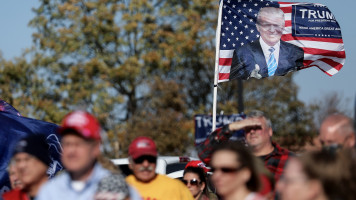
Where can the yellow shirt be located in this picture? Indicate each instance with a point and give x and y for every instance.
(161, 188)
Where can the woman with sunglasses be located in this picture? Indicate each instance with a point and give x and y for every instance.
(235, 174)
(194, 178)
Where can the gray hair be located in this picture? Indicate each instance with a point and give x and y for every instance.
(269, 11)
(260, 114)
(11, 163)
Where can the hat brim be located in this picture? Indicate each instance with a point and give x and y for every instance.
(143, 153)
(62, 131)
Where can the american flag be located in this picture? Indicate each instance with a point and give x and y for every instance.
(323, 47)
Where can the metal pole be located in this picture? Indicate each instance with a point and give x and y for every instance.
(355, 113)
(240, 98)
(216, 71)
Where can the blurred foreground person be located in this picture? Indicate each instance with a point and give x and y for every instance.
(196, 181)
(31, 157)
(267, 188)
(320, 175)
(14, 176)
(337, 129)
(112, 188)
(142, 162)
(80, 141)
(235, 173)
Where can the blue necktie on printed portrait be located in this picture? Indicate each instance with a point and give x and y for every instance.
(272, 63)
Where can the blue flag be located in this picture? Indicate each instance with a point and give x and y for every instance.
(203, 125)
(14, 127)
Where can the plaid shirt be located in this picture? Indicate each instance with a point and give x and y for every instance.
(274, 161)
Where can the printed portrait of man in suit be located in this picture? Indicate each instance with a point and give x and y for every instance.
(269, 55)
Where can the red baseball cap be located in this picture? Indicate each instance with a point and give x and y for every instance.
(142, 146)
(85, 124)
(197, 163)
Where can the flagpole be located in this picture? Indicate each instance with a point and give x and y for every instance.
(355, 113)
(216, 72)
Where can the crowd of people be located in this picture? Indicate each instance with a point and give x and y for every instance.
(257, 169)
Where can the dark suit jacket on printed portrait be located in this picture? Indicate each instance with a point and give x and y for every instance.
(246, 57)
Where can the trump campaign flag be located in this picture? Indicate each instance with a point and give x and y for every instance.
(203, 126)
(307, 35)
(14, 127)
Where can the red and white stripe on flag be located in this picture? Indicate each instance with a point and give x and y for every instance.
(328, 54)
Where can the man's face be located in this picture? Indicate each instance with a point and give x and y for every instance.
(271, 28)
(144, 167)
(260, 135)
(78, 154)
(331, 134)
(14, 177)
(30, 169)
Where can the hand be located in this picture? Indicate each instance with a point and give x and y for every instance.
(245, 124)
(254, 73)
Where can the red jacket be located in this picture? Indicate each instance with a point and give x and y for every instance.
(15, 194)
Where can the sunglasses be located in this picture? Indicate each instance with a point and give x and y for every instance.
(250, 128)
(141, 159)
(192, 181)
(226, 170)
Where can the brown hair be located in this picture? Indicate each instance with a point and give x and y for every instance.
(335, 169)
(245, 158)
(202, 176)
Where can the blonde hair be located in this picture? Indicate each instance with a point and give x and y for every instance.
(266, 11)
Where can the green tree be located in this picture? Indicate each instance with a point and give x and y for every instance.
(162, 118)
(330, 103)
(143, 67)
(102, 56)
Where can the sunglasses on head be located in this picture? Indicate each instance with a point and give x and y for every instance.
(141, 159)
(226, 169)
(192, 181)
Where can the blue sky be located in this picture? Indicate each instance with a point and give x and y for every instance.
(313, 83)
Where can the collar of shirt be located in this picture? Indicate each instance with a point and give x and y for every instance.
(96, 175)
(278, 150)
(266, 52)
